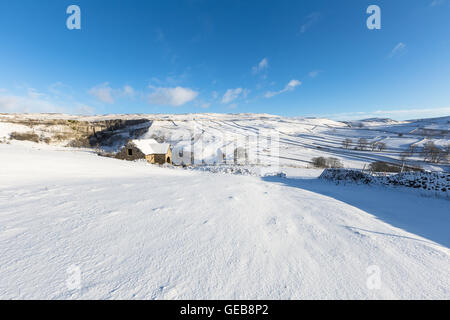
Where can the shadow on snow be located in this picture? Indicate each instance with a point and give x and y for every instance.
(427, 217)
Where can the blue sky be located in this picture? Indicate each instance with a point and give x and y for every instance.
(287, 57)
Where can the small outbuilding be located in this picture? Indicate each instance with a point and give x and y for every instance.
(149, 149)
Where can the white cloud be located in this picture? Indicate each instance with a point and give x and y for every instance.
(54, 88)
(172, 96)
(233, 94)
(103, 93)
(83, 109)
(314, 73)
(53, 100)
(38, 104)
(289, 87)
(19, 104)
(262, 65)
(398, 49)
(398, 114)
(310, 21)
(34, 94)
(436, 3)
(294, 83)
(128, 91)
(60, 90)
(160, 36)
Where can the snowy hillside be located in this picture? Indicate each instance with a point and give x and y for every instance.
(215, 137)
(136, 231)
(76, 225)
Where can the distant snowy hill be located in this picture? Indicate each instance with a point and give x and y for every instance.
(211, 136)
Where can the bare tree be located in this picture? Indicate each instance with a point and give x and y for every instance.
(381, 146)
(322, 162)
(403, 158)
(412, 149)
(447, 152)
(433, 153)
(373, 145)
(334, 163)
(347, 142)
(362, 143)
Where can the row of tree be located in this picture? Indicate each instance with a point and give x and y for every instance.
(364, 144)
(434, 154)
(430, 151)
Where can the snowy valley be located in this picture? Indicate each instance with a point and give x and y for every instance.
(271, 230)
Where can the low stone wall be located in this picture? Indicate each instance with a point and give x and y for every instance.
(434, 182)
(238, 170)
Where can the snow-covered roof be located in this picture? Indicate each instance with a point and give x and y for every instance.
(151, 146)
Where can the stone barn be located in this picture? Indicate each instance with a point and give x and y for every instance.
(149, 149)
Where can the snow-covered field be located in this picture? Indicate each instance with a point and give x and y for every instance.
(136, 231)
(298, 140)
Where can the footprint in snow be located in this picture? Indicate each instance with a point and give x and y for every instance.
(165, 292)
